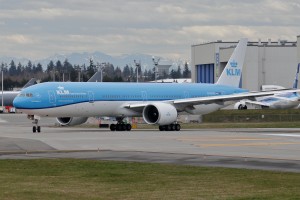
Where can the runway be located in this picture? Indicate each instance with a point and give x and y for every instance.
(267, 149)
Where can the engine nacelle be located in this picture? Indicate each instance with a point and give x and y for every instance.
(71, 121)
(240, 106)
(160, 113)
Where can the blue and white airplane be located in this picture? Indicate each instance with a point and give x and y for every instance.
(285, 100)
(158, 103)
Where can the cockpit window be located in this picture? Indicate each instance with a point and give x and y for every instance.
(25, 95)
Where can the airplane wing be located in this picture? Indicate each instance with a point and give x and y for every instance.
(218, 99)
(257, 103)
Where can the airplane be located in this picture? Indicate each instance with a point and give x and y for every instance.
(286, 100)
(158, 103)
(8, 96)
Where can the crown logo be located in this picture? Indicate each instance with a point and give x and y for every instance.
(233, 63)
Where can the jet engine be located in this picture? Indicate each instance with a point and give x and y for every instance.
(240, 106)
(71, 121)
(160, 113)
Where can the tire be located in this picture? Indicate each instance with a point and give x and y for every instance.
(112, 127)
(34, 129)
(38, 129)
(177, 127)
(128, 127)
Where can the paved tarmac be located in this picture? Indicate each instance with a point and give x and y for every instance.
(267, 149)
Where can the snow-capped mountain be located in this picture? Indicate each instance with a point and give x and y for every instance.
(97, 57)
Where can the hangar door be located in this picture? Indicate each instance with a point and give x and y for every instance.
(205, 73)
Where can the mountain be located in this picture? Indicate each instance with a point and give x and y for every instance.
(98, 57)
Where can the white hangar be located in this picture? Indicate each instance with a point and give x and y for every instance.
(266, 62)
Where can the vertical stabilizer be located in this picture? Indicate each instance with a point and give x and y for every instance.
(30, 83)
(96, 77)
(295, 85)
(232, 72)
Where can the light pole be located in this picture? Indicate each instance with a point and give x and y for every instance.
(2, 89)
(155, 67)
(79, 70)
(138, 65)
(101, 68)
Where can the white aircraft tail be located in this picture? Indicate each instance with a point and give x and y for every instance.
(295, 85)
(232, 72)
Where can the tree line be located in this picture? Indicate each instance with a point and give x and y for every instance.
(17, 75)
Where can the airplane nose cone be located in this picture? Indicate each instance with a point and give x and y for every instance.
(17, 102)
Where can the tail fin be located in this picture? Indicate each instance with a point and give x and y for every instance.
(30, 83)
(232, 72)
(96, 77)
(295, 85)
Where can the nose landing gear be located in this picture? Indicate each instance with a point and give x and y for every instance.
(36, 127)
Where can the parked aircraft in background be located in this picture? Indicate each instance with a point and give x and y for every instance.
(8, 96)
(285, 100)
(158, 103)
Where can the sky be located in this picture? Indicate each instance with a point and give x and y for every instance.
(36, 29)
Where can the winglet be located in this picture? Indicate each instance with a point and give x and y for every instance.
(295, 85)
(232, 72)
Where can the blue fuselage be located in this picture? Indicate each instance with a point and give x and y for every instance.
(109, 95)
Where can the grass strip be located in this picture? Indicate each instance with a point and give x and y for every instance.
(91, 179)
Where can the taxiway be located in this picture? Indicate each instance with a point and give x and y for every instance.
(267, 149)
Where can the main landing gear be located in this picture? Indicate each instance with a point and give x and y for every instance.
(170, 127)
(120, 126)
(36, 127)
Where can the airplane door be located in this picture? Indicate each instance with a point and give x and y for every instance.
(52, 99)
(91, 97)
(144, 95)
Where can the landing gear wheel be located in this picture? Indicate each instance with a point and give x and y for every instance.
(170, 127)
(36, 127)
(120, 126)
(161, 128)
(112, 127)
(128, 127)
(177, 127)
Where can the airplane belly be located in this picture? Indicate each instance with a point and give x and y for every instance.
(86, 109)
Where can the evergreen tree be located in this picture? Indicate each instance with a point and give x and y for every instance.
(28, 68)
(39, 68)
(12, 69)
(91, 69)
(50, 67)
(186, 72)
(179, 75)
(19, 68)
(126, 72)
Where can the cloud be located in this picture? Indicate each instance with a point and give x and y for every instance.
(18, 39)
(40, 28)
